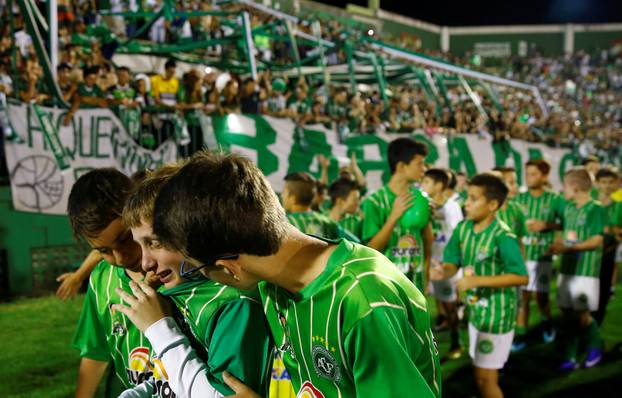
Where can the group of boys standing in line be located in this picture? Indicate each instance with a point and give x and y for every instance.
(204, 281)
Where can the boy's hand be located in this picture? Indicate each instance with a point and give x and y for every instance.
(400, 205)
(240, 389)
(534, 225)
(466, 283)
(146, 307)
(558, 247)
(69, 285)
(437, 271)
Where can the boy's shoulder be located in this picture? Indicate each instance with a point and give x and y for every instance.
(103, 271)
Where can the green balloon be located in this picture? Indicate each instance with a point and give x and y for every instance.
(278, 84)
(418, 215)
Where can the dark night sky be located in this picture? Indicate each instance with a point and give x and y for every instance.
(500, 12)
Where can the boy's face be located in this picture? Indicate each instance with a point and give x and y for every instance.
(510, 180)
(461, 181)
(165, 264)
(415, 169)
(431, 187)
(607, 185)
(116, 246)
(89, 79)
(227, 272)
(351, 203)
(287, 198)
(570, 189)
(477, 207)
(534, 177)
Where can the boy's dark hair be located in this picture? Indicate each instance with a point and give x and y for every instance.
(453, 179)
(404, 150)
(92, 70)
(540, 164)
(170, 63)
(341, 188)
(438, 175)
(460, 174)
(493, 186)
(96, 199)
(63, 66)
(219, 204)
(123, 68)
(607, 171)
(590, 159)
(303, 186)
(504, 169)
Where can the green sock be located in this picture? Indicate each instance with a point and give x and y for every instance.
(572, 347)
(593, 335)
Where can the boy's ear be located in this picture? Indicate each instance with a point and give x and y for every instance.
(493, 205)
(231, 267)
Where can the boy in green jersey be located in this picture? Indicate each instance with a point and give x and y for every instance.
(493, 265)
(103, 336)
(581, 254)
(408, 248)
(510, 213)
(543, 210)
(607, 181)
(345, 197)
(298, 193)
(226, 325)
(345, 319)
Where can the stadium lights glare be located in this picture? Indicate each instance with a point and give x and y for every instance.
(370, 32)
(208, 70)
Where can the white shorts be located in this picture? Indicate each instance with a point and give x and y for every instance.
(489, 350)
(578, 293)
(540, 275)
(445, 290)
(619, 254)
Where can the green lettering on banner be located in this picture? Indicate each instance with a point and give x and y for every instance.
(534, 154)
(568, 157)
(357, 145)
(432, 150)
(99, 134)
(307, 145)
(460, 155)
(503, 150)
(229, 131)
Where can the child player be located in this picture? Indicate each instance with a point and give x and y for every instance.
(323, 300)
(447, 215)
(581, 255)
(298, 193)
(345, 196)
(409, 249)
(511, 213)
(225, 326)
(493, 265)
(103, 336)
(543, 209)
(607, 182)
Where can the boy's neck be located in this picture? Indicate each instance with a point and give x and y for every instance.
(535, 192)
(604, 198)
(439, 198)
(399, 184)
(479, 226)
(296, 208)
(336, 213)
(581, 198)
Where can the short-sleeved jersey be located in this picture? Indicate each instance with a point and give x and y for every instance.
(613, 218)
(547, 207)
(353, 223)
(361, 328)
(108, 336)
(512, 215)
(165, 90)
(86, 91)
(444, 220)
(231, 327)
(491, 252)
(405, 246)
(315, 223)
(581, 224)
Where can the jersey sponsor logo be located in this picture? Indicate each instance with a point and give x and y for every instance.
(485, 346)
(581, 220)
(325, 364)
(404, 252)
(308, 390)
(142, 367)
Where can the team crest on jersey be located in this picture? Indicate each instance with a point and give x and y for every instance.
(485, 346)
(482, 255)
(325, 364)
(308, 390)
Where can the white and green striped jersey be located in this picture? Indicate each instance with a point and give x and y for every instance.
(353, 223)
(360, 329)
(405, 247)
(547, 207)
(109, 336)
(444, 220)
(491, 252)
(512, 215)
(581, 224)
(229, 326)
(314, 223)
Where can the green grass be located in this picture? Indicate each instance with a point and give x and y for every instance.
(36, 359)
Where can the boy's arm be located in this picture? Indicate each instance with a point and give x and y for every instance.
(385, 338)
(89, 376)
(380, 239)
(143, 390)
(71, 281)
(591, 243)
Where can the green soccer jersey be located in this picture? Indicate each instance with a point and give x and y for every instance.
(314, 223)
(579, 225)
(512, 215)
(353, 223)
(614, 216)
(547, 207)
(360, 329)
(86, 91)
(405, 247)
(491, 252)
(230, 325)
(109, 336)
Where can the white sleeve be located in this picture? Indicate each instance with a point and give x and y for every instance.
(453, 215)
(143, 390)
(187, 374)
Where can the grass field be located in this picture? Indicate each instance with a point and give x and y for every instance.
(36, 359)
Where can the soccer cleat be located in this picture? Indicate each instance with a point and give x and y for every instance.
(518, 346)
(594, 356)
(548, 336)
(569, 365)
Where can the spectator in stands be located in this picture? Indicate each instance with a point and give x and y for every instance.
(299, 108)
(31, 88)
(191, 103)
(229, 100)
(122, 93)
(317, 115)
(65, 84)
(164, 88)
(88, 95)
(277, 101)
(251, 97)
